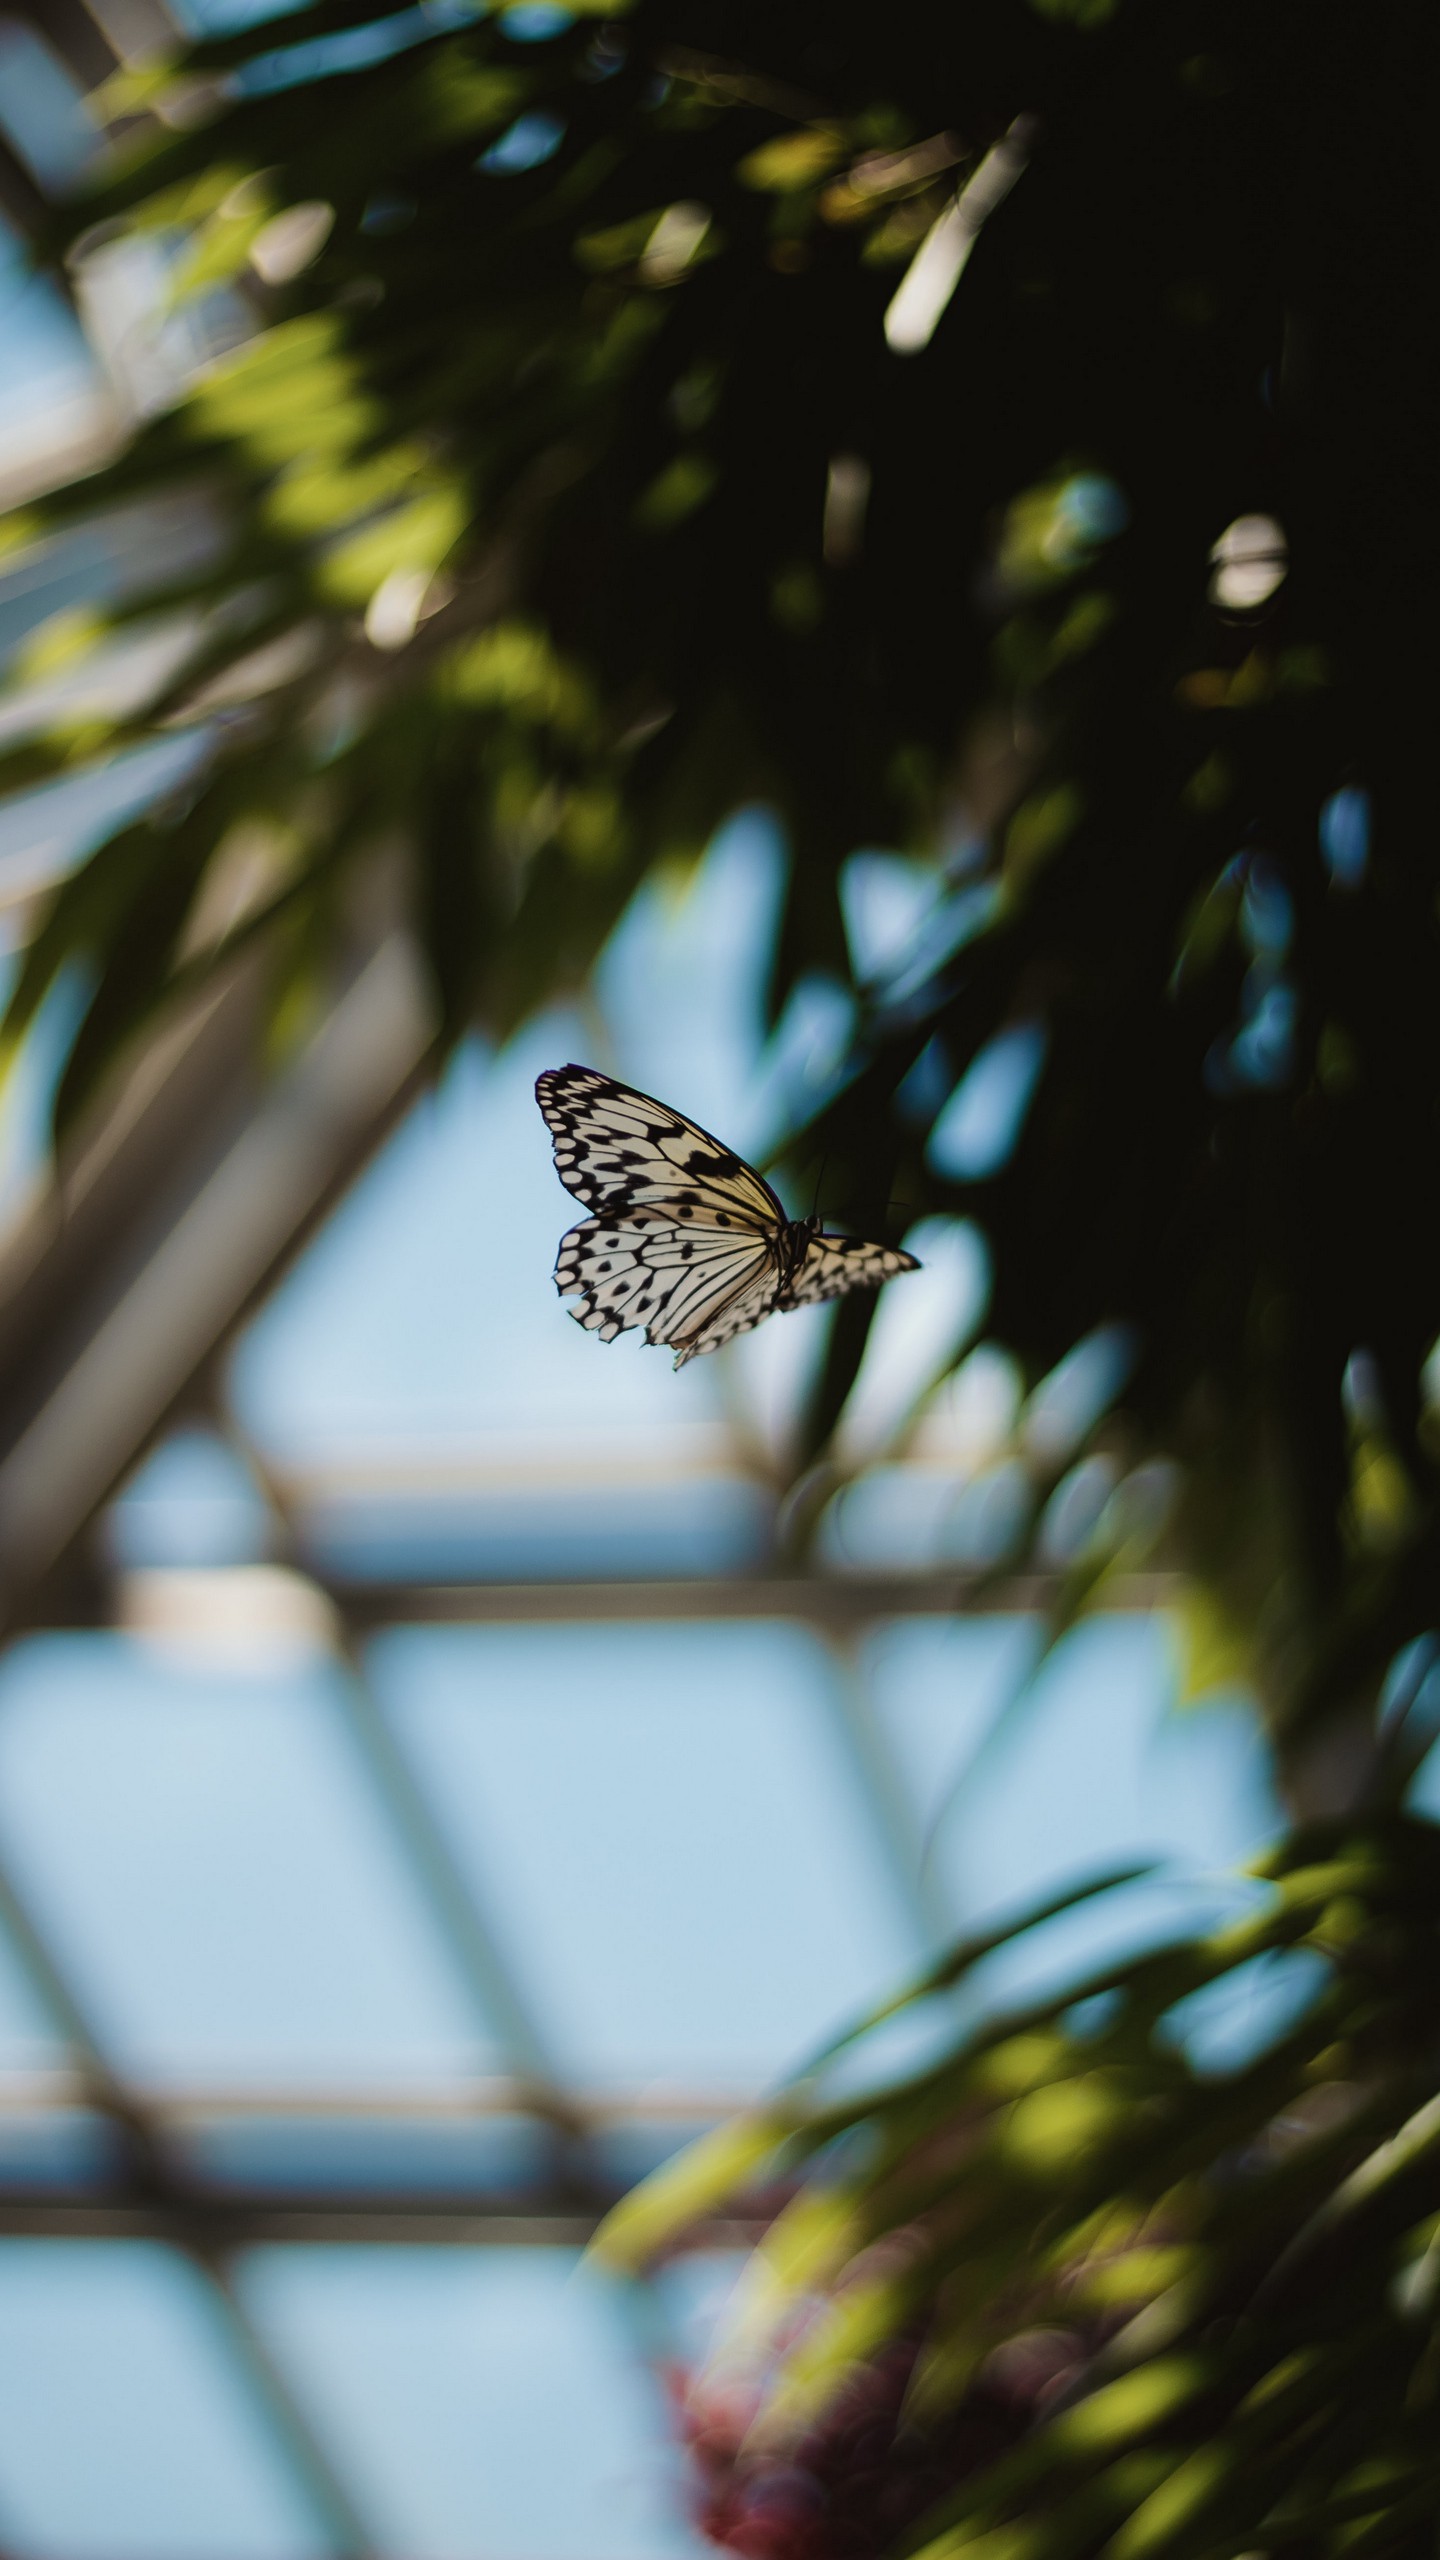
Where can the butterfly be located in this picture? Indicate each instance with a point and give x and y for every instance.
(684, 1238)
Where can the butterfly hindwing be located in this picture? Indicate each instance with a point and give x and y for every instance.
(617, 1150)
(675, 1281)
(834, 1264)
(739, 1314)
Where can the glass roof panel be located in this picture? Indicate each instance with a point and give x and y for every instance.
(42, 114)
(54, 2150)
(939, 1685)
(1097, 1763)
(1089, 1766)
(373, 2154)
(680, 984)
(686, 1526)
(215, 1874)
(625, 2148)
(668, 1829)
(125, 2427)
(191, 1502)
(487, 2403)
(48, 368)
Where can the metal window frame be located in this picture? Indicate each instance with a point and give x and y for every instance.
(130, 1308)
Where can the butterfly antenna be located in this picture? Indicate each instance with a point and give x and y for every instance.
(819, 1178)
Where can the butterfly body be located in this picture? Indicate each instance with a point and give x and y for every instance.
(792, 1244)
(685, 1238)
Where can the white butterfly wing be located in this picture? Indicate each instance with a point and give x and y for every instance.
(834, 1264)
(739, 1314)
(678, 1282)
(684, 1238)
(619, 1151)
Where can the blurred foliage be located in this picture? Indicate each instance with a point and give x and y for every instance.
(563, 492)
(560, 491)
(1100, 2279)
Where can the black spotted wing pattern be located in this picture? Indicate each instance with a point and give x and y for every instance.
(618, 1150)
(678, 1282)
(739, 1314)
(834, 1264)
(685, 1238)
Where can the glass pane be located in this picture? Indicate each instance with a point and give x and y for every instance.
(49, 374)
(359, 2153)
(939, 1684)
(192, 1502)
(214, 1872)
(528, 1533)
(41, 113)
(54, 2150)
(669, 1832)
(125, 2426)
(486, 2403)
(625, 2148)
(680, 985)
(1089, 1766)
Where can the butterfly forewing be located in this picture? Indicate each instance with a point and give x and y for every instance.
(618, 1150)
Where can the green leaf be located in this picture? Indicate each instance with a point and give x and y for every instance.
(708, 2174)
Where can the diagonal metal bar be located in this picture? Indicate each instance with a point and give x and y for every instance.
(370, 2223)
(109, 1320)
(103, 2089)
(328, 2489)
(455, 1900)
(178, 2214)
(838, 1604)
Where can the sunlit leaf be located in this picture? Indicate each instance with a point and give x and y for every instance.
(706, 2175)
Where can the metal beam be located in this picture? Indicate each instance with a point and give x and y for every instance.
(457, 1903)
(155, 1246)
(163, 2203)
(378, 2222)
(288, 2419)
(466, 1927)
(832, 1602)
